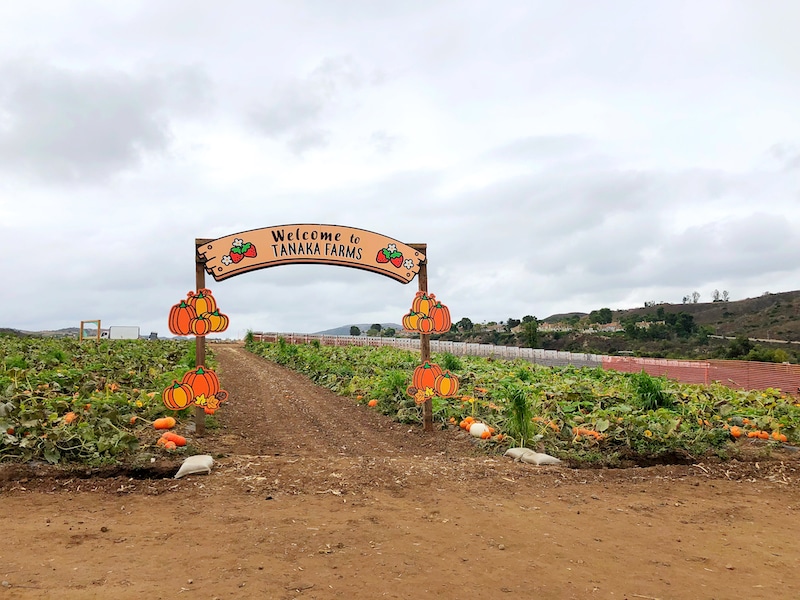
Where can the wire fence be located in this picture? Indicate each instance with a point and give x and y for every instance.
(738, 374)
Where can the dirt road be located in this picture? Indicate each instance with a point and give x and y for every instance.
(314, 496)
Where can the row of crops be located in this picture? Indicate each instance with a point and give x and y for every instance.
(581, 414)
(92, 402)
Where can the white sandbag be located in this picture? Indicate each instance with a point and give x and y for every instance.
(529, 456)
(477, 429)
(517, 453)
(537, 458)
(199, 463)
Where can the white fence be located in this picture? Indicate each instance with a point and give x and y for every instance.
(550, 358)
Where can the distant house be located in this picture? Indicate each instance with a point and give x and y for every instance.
(552, 327)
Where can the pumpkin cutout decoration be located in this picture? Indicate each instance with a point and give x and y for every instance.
(422, 303)
(180, 318)
(425, 375)
(200, 325)
(202, 301)
(218, 321)
(446, 384)
(410, 321)
(440, 315)
(177, 396)
(427, 315)
(202, 381)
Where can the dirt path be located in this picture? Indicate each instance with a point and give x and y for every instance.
(313, 496)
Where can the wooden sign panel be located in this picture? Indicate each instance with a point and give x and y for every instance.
(310, 244)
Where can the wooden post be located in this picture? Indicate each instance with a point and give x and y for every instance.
(200, 344)
(424, 338)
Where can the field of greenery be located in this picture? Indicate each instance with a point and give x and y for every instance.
(64, 401)
(586, 416)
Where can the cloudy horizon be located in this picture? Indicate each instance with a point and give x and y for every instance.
(555, 157)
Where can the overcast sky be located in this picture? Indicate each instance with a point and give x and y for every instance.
(555, 156)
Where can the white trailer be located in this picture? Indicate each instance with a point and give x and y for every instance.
(121, 332)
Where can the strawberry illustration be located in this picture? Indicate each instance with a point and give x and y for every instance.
(397, 261)
(236, 256)
(249, 250)
(383, 256)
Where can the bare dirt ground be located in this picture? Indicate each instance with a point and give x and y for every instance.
(314, 496)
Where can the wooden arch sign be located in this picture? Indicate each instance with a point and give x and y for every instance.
(310, 244)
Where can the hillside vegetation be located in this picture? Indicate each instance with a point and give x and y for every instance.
(760, 329)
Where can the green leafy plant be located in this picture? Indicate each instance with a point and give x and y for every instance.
(518, 411)
(650, 391)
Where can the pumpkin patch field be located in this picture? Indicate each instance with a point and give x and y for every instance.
(91, 403)
(585, 416)
(324, 484)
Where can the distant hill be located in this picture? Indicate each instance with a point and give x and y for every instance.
(345, 329)
(770, 316)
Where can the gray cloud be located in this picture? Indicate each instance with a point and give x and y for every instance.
(297, 108)
(63, 125)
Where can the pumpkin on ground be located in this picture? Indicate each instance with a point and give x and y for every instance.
(164, 423)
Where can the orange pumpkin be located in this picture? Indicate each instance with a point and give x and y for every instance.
(425, 375)
(177, 396)
(200, 326)
(410, 321)
(164, 423)
(180, 316)
(425, 325)
(446, 384)
(421, 303)
(202, 301)
(219, 322)
(169, 436)
(441, 318)
(202, 381)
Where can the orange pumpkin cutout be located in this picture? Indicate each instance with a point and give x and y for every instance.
(410, 321)
(178, 396)
(219, 322)
(202, 381)
(200, 326)
(441, 318)
(446, 384)
(180, 317)
(425, 325)
(425, 375)
(202, 301)
(427, 315)
(422, 303)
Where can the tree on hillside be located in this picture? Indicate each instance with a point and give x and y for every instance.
(725, 296)
(695, 297)
(465, 324)
(511, 323)
(530, 333)
(602, 316)
(376, 326)
(715, 296)
(389, 332)
(354, 330)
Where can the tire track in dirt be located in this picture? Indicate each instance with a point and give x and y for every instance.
(274, 410)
